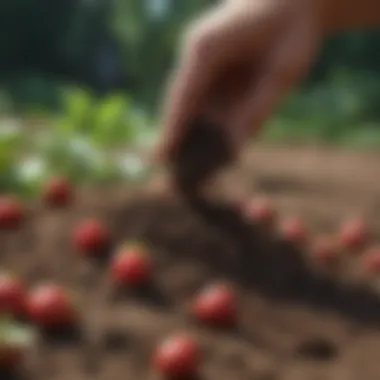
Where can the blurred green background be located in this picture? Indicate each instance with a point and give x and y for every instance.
(81, 80)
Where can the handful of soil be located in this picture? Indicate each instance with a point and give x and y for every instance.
(203, 151)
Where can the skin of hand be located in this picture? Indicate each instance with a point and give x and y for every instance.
(342, 15)
(236, 62)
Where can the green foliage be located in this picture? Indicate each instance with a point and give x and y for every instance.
(11, 143)
(15, 335)
(109, 122)
(343, 111)
(95, 140)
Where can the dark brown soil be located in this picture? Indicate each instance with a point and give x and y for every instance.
(202, 153)
(295, 321)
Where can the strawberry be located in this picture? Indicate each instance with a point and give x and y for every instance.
(294, 230)
(131, 267)
(11, 213)
(215, 305)
(58, 192)
(353, 233)
(12, 295)
(262, 211)
(91, 236)
(49, 305)
(324, 250)
(372, 260)
(177, 355)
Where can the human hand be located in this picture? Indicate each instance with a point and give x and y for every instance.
(236, 63)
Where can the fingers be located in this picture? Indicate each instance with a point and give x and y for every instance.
(185, 97)
(192, 80)
(284, 68)
(216, 39)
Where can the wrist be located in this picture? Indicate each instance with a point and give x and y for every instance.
(342, 15)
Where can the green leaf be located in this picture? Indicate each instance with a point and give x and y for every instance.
(78, 105)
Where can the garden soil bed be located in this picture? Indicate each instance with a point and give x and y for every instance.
(295, 322)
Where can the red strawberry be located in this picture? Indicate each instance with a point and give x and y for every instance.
(353, 233)
(216, 305)
(12, 295)
(294, 230)
(131, 267)
(262, 211)
(49, 305)
(91, 236)
(324, 250)
(178, 355)
(11, 213)
(372, 260)
(58, 192)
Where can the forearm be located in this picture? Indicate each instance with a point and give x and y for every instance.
(343, 15)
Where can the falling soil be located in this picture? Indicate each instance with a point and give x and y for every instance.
(201, 154)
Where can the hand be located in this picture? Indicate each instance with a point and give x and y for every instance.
(236, 63)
